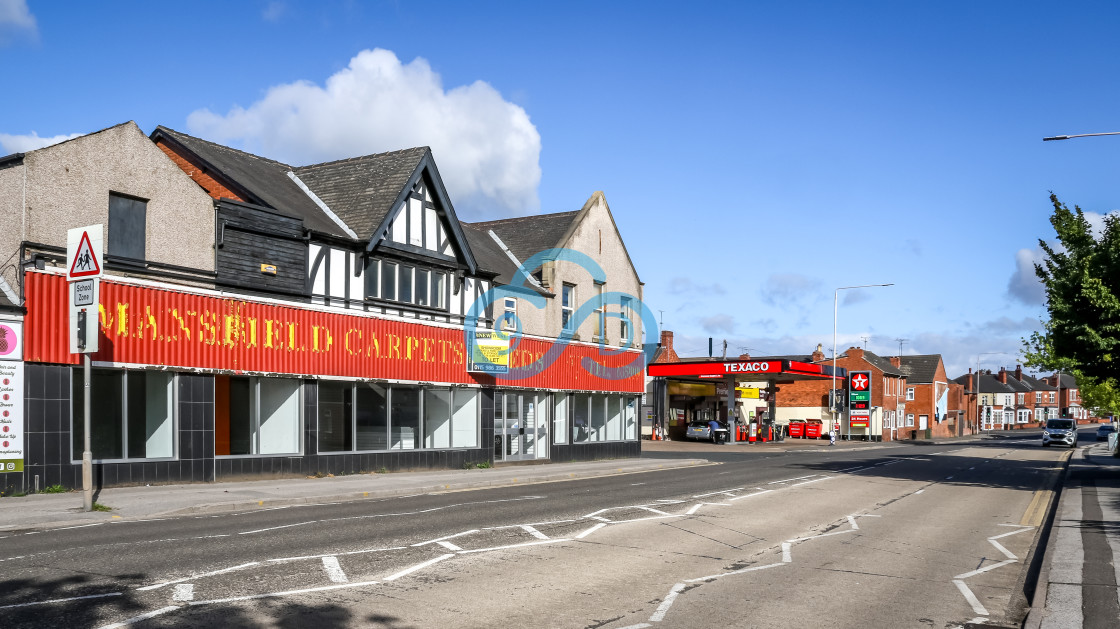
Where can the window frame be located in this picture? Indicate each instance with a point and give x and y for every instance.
(909, 394)
(113, 244)
(77, 421)
(567, 305)
(255, 420)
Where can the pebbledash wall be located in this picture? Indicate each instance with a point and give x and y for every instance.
(177, 370)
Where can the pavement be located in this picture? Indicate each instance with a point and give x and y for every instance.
(169, 500)
(1080, 570)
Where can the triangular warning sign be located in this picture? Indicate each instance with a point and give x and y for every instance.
(85, 262)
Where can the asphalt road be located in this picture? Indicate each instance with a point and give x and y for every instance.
(899, 536)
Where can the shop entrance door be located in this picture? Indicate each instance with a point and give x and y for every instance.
(520, 426)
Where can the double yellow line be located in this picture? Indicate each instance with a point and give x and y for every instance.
(1040, 503)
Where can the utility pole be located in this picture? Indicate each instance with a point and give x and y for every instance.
(900, 343)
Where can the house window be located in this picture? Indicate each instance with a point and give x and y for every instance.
(404, 284)
(373, 278)
(624, 326)
(909, 393)
(509, 314)
(423, 293)
(1051, 397)
(389, 281)
(131, 414)
(256, 415)
(439, 293)
(600, 333)
(1021, 397)
(1038, 397)
(910, 419)
(567, 304)
(127, 226)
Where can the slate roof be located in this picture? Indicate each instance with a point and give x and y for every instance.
(362, 190)
(988, 383)
(264, 179)
(1037, 384)
(880, 363)
(1020, 387)
(1067, 381)
(920, 369)
(529, 235)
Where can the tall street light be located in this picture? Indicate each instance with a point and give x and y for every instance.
(1079, 135)
(835, 311)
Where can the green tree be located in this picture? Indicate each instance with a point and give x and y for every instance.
(1082, 281)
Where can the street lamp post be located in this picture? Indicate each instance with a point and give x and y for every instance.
(1079, 135)
(835, 311)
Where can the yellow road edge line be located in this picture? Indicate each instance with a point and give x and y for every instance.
(1040, 503)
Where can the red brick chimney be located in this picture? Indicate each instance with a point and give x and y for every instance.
(668, 354)
(1018, 372)
(896, 361)
(818, 354)
(1003, 375)
(855, 352)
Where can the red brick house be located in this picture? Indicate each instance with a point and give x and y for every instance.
(928, 413)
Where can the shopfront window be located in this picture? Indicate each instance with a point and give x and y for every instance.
(560, 418)
(630, 416)
(596, 417)
(132, 414)
(447, 418)
(257, 415)
(581, 426)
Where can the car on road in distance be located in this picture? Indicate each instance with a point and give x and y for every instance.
(1104, 430)
(1060, 431)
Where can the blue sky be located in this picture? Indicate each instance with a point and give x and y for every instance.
(756, 155)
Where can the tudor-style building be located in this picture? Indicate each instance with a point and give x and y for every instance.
(258, 318)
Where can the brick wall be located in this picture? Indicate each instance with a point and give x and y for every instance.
(212, 186)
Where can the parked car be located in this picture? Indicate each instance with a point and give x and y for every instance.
(1104, 430)
(698, 430)
(1060, 431)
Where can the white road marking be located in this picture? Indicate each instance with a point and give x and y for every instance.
(275, 528)
(1006, 553)
(696, 507)
(918, 492)
(852, 520)
(716, 493)
(970, 597)
(667, 603)
(591, 530)
(787, 556)
(198, 576)
(445, 537)
(757, 493)
(408, 571)
(522, 545)
(534, 532)
(286, 593)
(641, 625)
(136, 619)
(334, 570)
(183, 592)
(450, 546)
(984, 569)
(775, 482)
(60, 600)
(728, 574)
(806, 482)
(349, 552)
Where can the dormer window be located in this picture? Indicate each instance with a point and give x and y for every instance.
(405, 283)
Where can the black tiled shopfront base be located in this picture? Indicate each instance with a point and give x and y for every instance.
(596, 451)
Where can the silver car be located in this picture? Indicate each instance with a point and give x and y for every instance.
(1060, 431)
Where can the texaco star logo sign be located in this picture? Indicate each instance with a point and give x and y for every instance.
(859, 382)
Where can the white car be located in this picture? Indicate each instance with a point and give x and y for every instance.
(1060, 431)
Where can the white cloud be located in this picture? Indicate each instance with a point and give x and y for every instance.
(718, 323)
(24, 143)
(789, 290)
(16, 22)
(487, 149)
(274, 10)
(679, 285)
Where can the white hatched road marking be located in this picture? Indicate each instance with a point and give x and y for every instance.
(334, 570)
(136, 619)
(198, 576)
(1011, 558)
(183, 592)
(408, 571)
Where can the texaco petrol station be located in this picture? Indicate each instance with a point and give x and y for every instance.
(706, 381)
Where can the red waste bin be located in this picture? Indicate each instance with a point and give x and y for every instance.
(814, 428)
(797, 428)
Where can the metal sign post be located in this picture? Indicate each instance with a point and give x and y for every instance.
(84, 246)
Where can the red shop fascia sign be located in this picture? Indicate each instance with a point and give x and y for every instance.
(159, 327)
